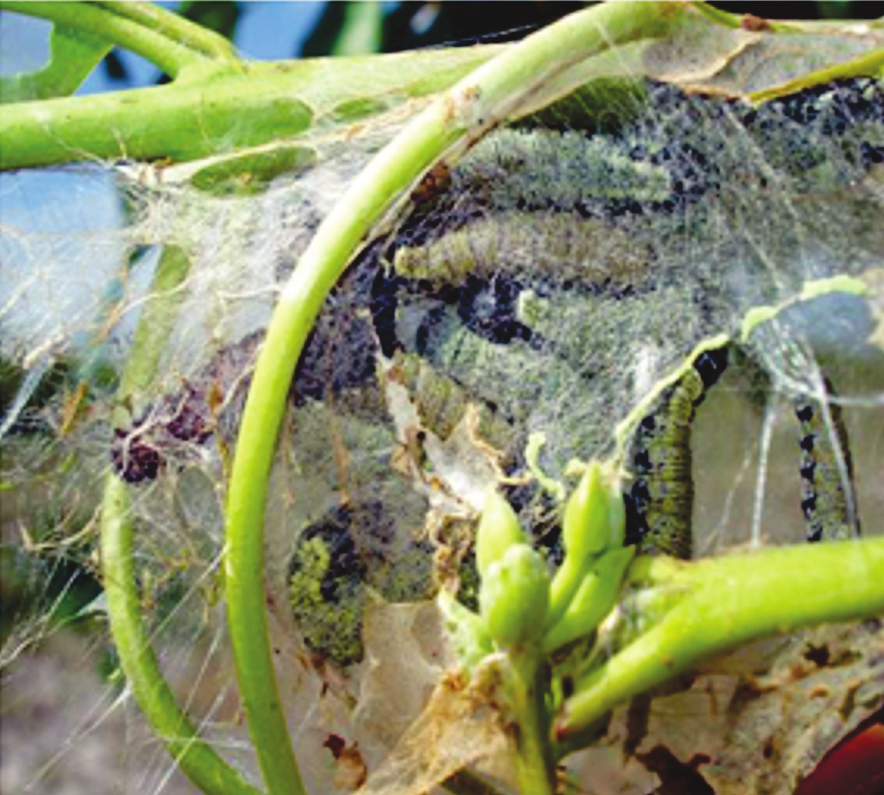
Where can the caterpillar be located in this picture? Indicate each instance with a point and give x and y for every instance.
(534, 245)
(661, 496)
(828, 497)
(659, 501)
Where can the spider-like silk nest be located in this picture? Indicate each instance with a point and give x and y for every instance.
(542, 284)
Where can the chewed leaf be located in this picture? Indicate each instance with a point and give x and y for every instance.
(743, 55)
(760, 719)
(455, 730)
(416, 724)
(74, 54)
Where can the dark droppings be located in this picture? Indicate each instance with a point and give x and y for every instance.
(179, 420)
(133, 459)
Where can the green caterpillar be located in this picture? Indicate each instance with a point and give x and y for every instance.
(536, 245)
(828, 499)
(659, 501)
(661, 497)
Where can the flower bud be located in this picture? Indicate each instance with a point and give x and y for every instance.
(514, 596)
(585, 527)
(498, 530)
(595, 598)
(616, 517)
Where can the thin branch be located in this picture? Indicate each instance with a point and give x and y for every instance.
(187, 120)
(197, 759)
(174, 27)
(181, 122)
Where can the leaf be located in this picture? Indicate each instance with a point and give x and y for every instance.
(711, 52)
(761, 58)
(757, 720)
(74, 54)
(417, 723)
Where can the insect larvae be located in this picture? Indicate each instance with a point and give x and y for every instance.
(660, 501)
(828, 496)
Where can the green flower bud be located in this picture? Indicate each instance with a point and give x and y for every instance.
(585, 526)
(616, 516)
(514, 596)
(594, 523)
(498, 530)
(595, 598)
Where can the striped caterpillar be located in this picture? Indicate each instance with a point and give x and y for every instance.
(828, 499)
(659, 501)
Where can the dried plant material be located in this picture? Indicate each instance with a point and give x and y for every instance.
(458, 728)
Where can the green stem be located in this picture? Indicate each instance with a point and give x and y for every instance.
(165, 53)
(564, 585)
(179, 121)
(187, 120)
(729, 602)
(156, 325)
(461, 115)
(174, 27)
(194, 756)
(535, 766)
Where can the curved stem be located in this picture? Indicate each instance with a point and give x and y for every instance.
(479, 102)
(729, 602)
(165, 53)
(197, 759)
(173, 27)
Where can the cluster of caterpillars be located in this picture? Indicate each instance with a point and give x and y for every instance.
(659, 499)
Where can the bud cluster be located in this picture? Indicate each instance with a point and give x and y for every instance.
(520, 606)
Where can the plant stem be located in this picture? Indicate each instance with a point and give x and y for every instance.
(249, 106)
(180, 122)
(535, 766)
(168, 55)
(174, 27)
(156, 325)
(462, 114)
(196, 758)
(729, 602)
